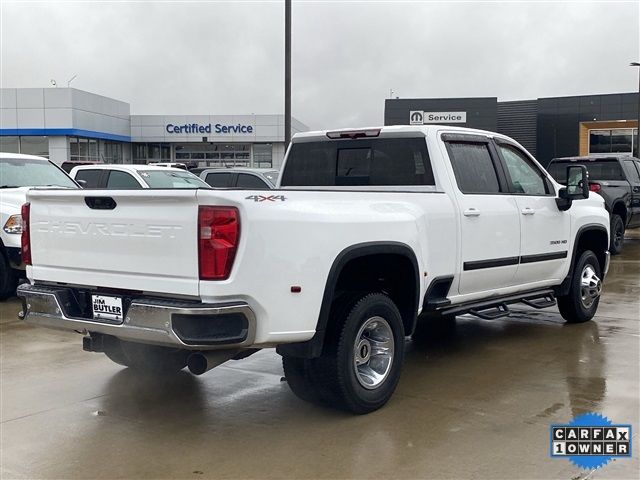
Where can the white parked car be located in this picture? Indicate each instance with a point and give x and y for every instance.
(18, 173)
(129, 177)
(366, 230)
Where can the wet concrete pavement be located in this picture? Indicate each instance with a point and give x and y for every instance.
(475, 401)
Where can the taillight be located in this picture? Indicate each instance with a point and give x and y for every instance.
(25, 241)
(595, 187)
(218, 237)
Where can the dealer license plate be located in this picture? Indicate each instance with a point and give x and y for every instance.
(107, 308)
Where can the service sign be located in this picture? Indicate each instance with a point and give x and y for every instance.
(418, 117)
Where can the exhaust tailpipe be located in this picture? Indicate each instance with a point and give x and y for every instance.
(201, 362)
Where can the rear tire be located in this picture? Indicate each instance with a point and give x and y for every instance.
(361, 361)
(296, 371)
(617, 234)
(8, 278)
(581, 303)
(145, 358)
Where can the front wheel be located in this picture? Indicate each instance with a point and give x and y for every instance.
(617, 234)
(581, 303)
(360, 365)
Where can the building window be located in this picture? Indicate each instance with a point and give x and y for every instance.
(112, 152)
(214, 154)
(615, 140)
(83, 149)
(36, 145)
(10, 144)
(263, 155)
(151, 152)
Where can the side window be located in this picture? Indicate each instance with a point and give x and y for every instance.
(473, 167)
(525, 176)
(219, 180)
(633, 173)
(122, 181)
(251, 182)
(91, 178)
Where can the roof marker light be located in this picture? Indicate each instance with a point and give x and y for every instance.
(352, 134)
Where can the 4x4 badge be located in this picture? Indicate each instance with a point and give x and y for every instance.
(266, 198)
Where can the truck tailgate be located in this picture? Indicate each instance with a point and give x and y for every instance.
(146, 242)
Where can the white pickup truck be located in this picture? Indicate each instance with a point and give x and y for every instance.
(367, 230)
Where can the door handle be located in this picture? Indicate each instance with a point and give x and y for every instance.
(528, 211)
(471, 212)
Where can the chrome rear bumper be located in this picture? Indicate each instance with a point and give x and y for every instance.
(165, 322)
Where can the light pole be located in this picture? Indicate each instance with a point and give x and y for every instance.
(637, 64)
(287, 73)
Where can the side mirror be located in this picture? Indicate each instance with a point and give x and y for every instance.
(577, 182)
(82, 183)
(577, 187)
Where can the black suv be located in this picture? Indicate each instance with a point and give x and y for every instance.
(617, 180)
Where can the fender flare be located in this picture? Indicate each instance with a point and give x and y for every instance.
(313, 348)
(623, 204)
(563, 289)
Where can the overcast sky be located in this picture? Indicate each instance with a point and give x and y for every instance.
(228, 57)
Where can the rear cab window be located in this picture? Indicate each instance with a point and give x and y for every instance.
(359, 162)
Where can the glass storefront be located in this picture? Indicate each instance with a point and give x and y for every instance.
(263, 155)
(94, 150)
(614, 140)
(10, 144)
(36, 145)
(81, 149)
(151, 152)
(112, 152)
(214, 154)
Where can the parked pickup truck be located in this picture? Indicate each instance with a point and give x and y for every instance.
(19, 173)
(615, 178)
(367, 230)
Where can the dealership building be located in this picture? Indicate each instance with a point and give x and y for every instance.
(66, 124)
(547, 127)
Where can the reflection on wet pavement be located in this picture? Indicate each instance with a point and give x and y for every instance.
(476, 400)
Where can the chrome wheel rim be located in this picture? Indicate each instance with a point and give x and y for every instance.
(590, 286)
(373, 352)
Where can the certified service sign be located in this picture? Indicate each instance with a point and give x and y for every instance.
(417, 117)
